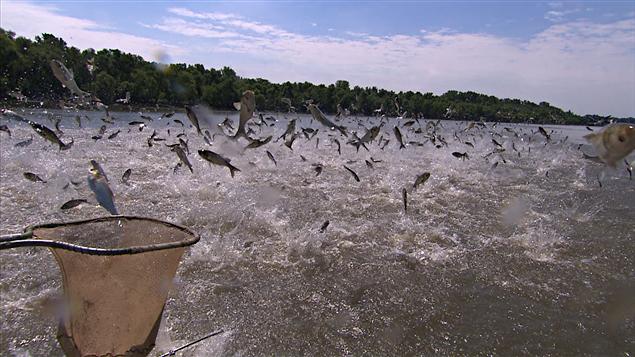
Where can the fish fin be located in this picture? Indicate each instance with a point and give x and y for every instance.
(232, 169)
(237, 105)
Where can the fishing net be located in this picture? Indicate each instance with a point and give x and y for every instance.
(117, 272)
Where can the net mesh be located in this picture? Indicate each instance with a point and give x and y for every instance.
(114, 303)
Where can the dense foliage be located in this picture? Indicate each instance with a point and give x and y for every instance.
(24, 66)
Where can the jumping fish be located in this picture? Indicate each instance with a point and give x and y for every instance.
(459, 155)
(339, 147)
(216, 159)
(421, 179)
(66, 77)
(114, 135)
(24, 143)
(289, 142)
(290, 130)
(614, 142)
(48, 134)
(72, 203)
(191, 115)
(324, 226)
(258, 143)
(404, 197)
(544, 133)
(319, 116)
(247, 105)
(182, 156)
(270, 155)
(126, 177)
(33, 177)
(352, 173)
(103, 194)
(399, 138)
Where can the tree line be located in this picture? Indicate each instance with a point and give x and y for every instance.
(109, 74)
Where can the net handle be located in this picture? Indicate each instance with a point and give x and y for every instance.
(24, 239)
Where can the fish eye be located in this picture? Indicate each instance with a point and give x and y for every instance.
(621, 138)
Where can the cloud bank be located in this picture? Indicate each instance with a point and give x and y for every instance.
(579, 65)
(30, 20)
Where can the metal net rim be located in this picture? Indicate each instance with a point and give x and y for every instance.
(25, 239)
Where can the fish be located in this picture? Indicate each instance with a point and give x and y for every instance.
(497, 143)
(97, 167)
(371, 134)
(167, 115)
(246, 106)
(373, 160)
(318, 169)
(191, 115)
(614, 142)
(421, 179)
(324, 225)
(290, 129)
(78, 119)
(289, 142)
(183, 144)
(103, 194)
(96, 137)
(352, 173)
(135, 122)
(369, 164)
(102, 130)
(182, 156)
(404, 197)
(302, 157)
(66, 77)
(589, 129)
(544, 133)
(629, 168)
(5, 129)
(408, 123)
(468, 143)
(114, 135)
(126, 177)
(179, 122)
(399, 138)
(48, 134)
(258, 143)
(339, 147)
(459, 155)
(216, 159)
(319, 117)
(24, 143)
(271, 157)
(72, 203)
(33, 177)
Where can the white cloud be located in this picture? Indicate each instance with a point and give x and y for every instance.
(30, 20)
(582, 66)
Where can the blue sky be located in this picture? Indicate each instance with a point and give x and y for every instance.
(578, 55)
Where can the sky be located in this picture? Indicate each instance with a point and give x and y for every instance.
(576, 55)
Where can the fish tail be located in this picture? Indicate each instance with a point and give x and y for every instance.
(232, 169)
(401, 146)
